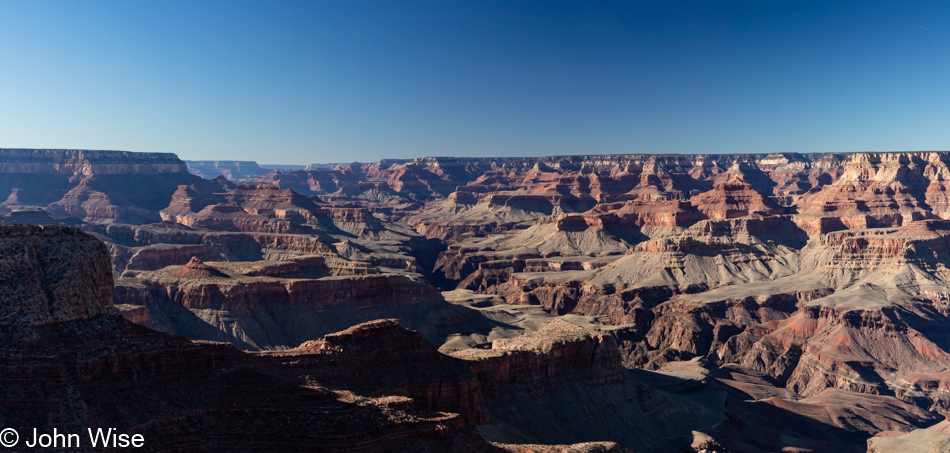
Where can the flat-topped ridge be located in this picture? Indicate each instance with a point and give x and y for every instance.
(87, 162)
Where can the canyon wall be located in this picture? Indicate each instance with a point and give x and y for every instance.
(95, 186)
(823, 278)
(74, 363)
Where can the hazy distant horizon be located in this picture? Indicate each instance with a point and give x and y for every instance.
(329, 81)
(269, 164)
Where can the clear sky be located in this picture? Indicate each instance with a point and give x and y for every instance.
(296, 82)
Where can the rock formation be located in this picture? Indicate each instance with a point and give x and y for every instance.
(262, 305)
(95, 186)
(71, 363)
(52, 275)
(234, 170)
(813, 289)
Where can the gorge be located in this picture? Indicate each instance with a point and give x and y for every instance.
(742, 303)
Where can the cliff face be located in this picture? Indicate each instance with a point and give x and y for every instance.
(88, 163)
(538, 361)
(70, 363)
(263, 305)
(95, 186)
(52, 274)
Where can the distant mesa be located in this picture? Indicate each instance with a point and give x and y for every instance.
(86, 162)
(236, 170)
(332, 166)
(93, 186)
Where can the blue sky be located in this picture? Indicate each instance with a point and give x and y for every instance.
(296, 82)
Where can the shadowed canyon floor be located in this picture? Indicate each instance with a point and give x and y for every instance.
(692, 302)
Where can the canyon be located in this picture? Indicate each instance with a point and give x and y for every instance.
(747, 303)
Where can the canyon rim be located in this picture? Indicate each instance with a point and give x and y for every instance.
(742, 303)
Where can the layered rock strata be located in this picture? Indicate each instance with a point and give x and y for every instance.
(824, 273)
(96, 186)
(76, 364)
(263, 305)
